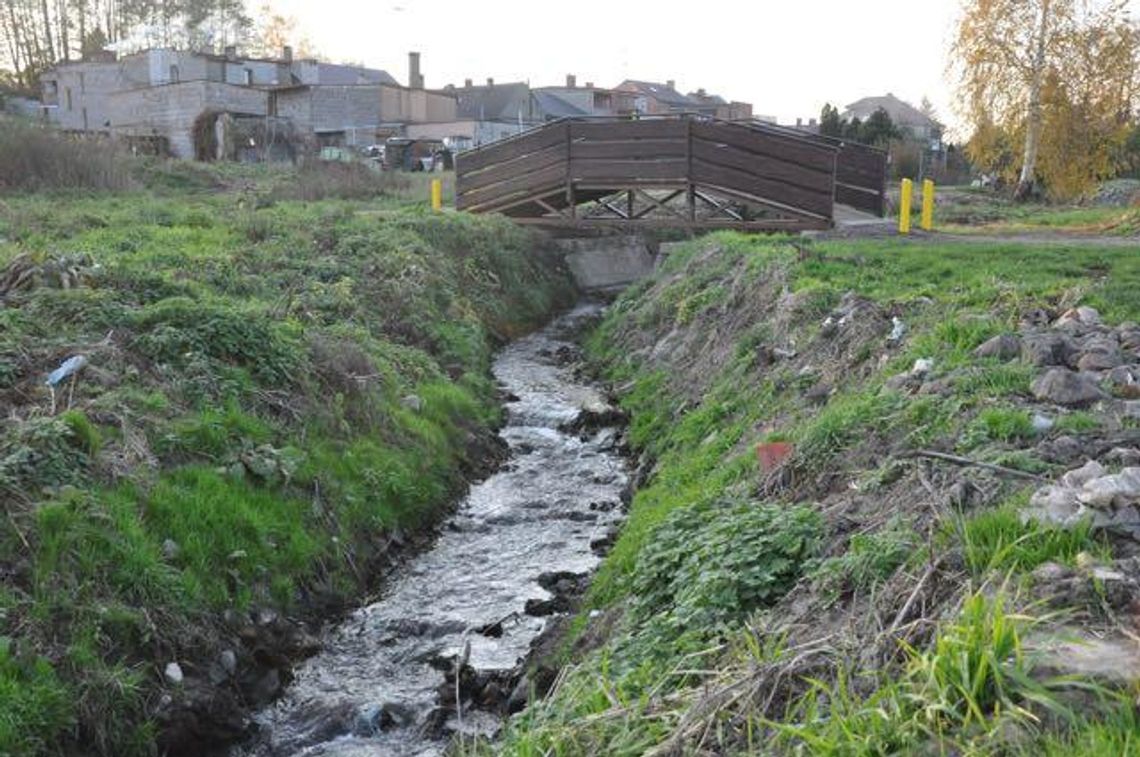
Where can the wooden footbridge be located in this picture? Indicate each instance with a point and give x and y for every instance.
(679, 171)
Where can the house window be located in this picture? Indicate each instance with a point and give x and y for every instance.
(174, 76)
(69, 98)
(82, 81)
(248, 73)
(85, 125)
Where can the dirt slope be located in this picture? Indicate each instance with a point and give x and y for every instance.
(892, 586)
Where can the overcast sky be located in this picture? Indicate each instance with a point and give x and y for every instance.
(786, 57)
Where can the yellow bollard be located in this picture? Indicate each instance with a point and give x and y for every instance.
(436, 195)
(927, 205)
(904, 206)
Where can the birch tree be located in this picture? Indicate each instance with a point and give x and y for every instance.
(1056, 77)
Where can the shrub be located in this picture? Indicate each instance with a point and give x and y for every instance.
(34, 158)
(324, 180)
(45, 452)
(706, 565)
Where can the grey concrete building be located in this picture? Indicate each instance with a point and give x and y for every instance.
(182, 102)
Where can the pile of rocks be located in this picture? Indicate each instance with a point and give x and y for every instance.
(1118, 193)
(1085, 361)
(1110, 500)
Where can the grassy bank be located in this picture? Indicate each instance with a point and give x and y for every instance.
(858, 598)
(964, 210)
(275, 395)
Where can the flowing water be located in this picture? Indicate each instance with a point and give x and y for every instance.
(372, 690)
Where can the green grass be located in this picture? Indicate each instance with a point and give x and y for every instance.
(1115, 733)
(999, 424)
(980, 275)
(34, 703)
(870, 559)
(997, 541)
(963, 695)
(964, 210)
(249, 356)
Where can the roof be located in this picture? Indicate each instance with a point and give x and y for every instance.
(334, 73)
(661, 92)
(496, 102)
(553, 106)
(327, 73)
(707, 99)
(900, 111)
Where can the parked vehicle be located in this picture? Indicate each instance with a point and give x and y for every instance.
(403, 154)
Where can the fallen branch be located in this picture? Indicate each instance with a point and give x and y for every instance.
(901, 616)
(958, 460)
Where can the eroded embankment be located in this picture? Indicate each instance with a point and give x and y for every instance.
(845, 539)
(275, 403)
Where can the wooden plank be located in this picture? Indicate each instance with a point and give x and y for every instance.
(860, 199)
(816, 157)
(859, 165)
(497, 194)
(772, 192)
(627, 149)
(535, 161)
(864, 162)
(529, 203)
(621, 172)
(642, 129)
(862, 179)
(852, 173)
(510, 149)
(762, 165)
(766, 224)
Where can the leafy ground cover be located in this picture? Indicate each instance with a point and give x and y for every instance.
(276, 395)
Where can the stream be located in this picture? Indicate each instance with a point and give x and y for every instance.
(374, 689)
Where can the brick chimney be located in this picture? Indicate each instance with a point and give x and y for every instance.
(571, 81)
(287, 54)
(467, 83)
(671, 84)
(589, 85)
(231, 52)
(490, 82)
(415, 78)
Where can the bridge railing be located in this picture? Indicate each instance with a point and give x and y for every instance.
(557, 165)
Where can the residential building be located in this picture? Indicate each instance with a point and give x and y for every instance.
(489, 112)
(588, 100)
(484, 113)
(653, 98)
(904, 115)
(717, 107)
(171, 100)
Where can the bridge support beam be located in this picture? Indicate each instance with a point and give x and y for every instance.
(610, 263)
